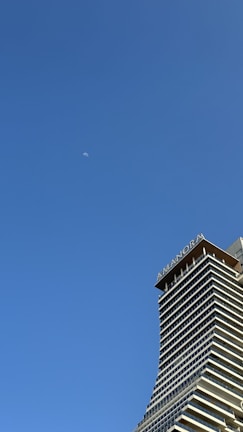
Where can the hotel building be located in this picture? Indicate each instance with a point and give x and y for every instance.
(199, 386)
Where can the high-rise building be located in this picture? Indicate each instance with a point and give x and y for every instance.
(199, 386)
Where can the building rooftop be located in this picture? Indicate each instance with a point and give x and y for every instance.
(191, 252)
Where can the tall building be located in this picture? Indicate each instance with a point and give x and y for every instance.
(199, 386)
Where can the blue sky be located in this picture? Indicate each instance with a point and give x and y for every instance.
(153, 92)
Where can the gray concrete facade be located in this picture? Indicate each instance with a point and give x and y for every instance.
(236, 249)
(199, 386)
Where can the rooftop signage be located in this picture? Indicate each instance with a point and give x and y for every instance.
(179, 256)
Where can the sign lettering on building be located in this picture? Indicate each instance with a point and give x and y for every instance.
(180, 255)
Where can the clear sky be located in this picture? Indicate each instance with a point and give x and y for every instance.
(121, 138)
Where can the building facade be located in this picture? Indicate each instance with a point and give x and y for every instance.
(199, 386)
